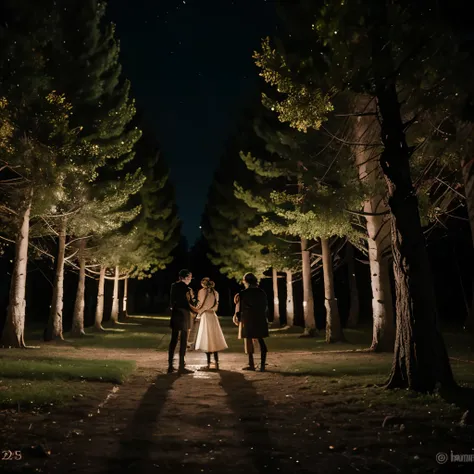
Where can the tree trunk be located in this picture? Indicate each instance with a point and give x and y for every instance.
(78, 314)
(54, 329)
(99, 310)
(115, 302)
(383, 334)
(276, 301)
(290, 304)
(125, 297)
(353, 319)
(13, 334)
(467, 167)
(420, 358)
(366, 130)
(308, 300)
(333, 321)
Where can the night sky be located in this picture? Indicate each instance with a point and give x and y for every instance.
(191, 67)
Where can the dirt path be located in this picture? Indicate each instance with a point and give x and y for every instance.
(236, 422)
(208, 421)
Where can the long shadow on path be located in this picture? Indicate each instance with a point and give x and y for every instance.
(251, 409)
(136, 444)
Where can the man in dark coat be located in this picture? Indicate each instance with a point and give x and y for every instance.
(252, 318)
(182, 308)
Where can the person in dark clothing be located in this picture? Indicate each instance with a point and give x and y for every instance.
(252, 318)
(182, 308)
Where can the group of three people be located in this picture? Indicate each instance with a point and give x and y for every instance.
(251, 316)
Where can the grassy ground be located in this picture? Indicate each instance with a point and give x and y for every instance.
(55, 368)
(309, 413)
(321, 406)
(37, 378)
(152, 332)
(24, 394)
(369, 375)
(364, 372)
(54, 380)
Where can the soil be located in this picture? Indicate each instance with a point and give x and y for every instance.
(228, 421)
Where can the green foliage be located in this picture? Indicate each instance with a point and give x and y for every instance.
(157, 227)
(38, 140)
(313, 199)
(71, 134)
(147, 237)
(103, 113)
(324, 62)
(302, 106)
(227, 219)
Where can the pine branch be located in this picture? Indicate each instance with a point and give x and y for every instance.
(77, 239)
(363, 214)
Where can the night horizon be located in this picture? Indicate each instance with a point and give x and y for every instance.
(202, 78)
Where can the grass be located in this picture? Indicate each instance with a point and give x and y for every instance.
(370, 371)
(33, 394)
(38, 382)
(153, 332)
(58, 368)
(363, 383)
(351, 394)
(338, 397)
(342, 368)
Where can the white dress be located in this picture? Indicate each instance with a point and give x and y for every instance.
(209, 337)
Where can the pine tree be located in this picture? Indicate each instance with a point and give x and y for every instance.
(42, 137)
(226, 218)
(145, 243)
(368, 66)
(278, 150)
(318, 210)
(111, 210)
(158, 225)
(83, 64)
(155, 232)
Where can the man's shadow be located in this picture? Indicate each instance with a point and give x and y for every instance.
(250, 408)
(136, 444)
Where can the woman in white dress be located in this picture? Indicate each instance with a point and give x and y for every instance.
(210, 338)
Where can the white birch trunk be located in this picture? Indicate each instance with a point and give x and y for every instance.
(125, 297)
(99, 310)
(13, 334)
(383, 335)
(333, 321)
(78, 314)
(308, 300)
(290, 304)
(115, 302)
(366, 130)
(54, 329)
(276, 300)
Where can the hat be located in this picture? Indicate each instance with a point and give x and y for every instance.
(184, 273)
